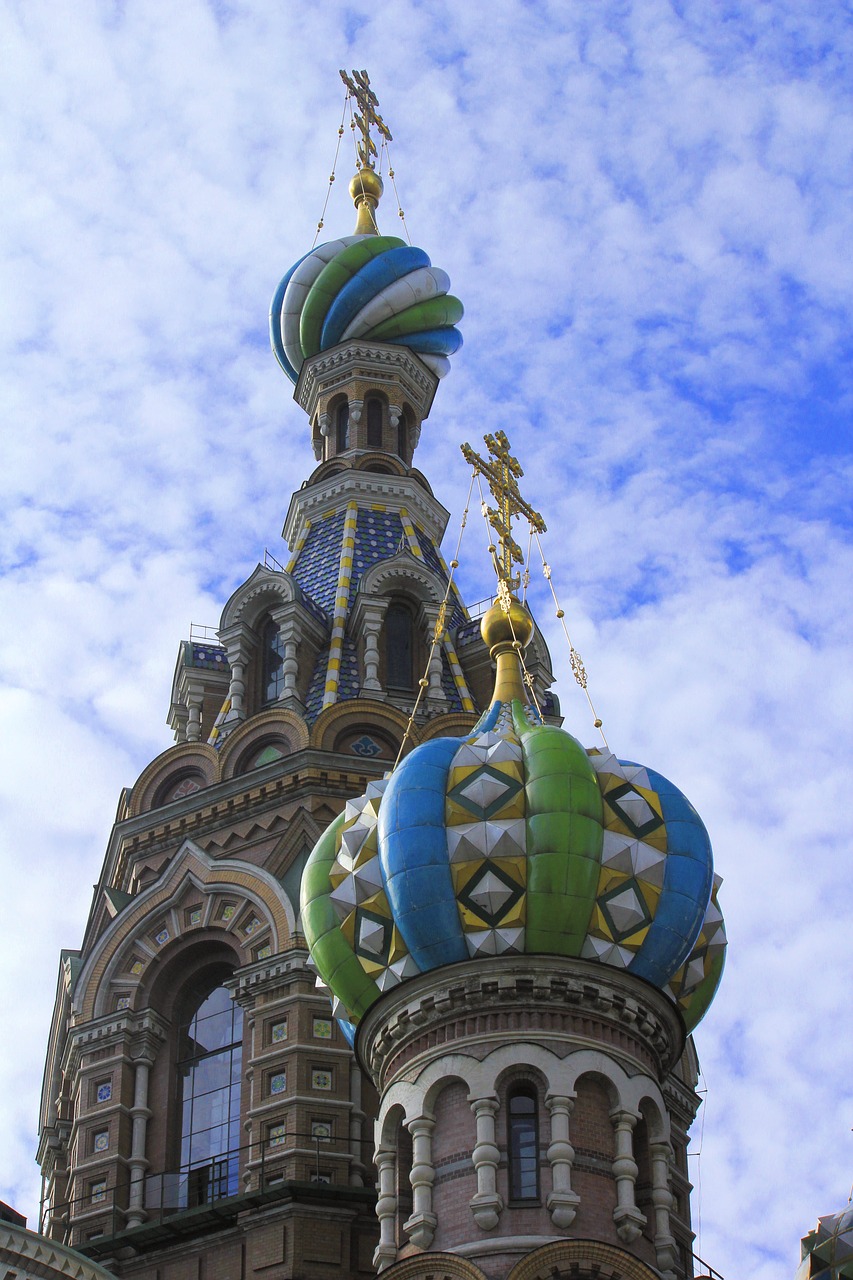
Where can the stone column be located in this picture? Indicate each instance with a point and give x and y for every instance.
(420, 1228)
(356, 1128)
(238, 651)
(660, 1154)
(435, 692)
(194, 706)
(143, 1056)
(372, 627)
(629, 1221)
(386, 1208)
(563, 1201)
(486, 1205)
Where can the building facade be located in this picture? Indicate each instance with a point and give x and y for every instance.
(519, 1093)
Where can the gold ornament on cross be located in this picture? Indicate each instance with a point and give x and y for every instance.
(502, 473)
(358, 87)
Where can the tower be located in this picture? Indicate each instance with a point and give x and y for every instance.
(202, 1111)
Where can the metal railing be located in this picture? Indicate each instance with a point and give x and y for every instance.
(204, 1189)
(703, 1270)
(200, 634)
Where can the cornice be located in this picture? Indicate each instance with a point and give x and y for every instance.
(638, 1026)
(332, 493)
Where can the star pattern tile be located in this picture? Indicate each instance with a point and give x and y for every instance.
(486, 841)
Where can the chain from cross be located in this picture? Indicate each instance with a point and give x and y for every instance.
(502, 473)
(358, 87)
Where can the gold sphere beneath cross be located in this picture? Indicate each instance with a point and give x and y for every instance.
(500, 628)
(366, 182)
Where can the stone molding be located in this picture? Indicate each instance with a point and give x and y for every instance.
(29, 1256)
(587, 1005)
(329, 371)
(332, 493)
(581, 1260)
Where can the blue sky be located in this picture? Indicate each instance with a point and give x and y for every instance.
(646, 210)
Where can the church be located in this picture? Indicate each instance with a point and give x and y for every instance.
(385, 971)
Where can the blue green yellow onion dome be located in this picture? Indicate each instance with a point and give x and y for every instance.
(514, 840)
(827, 1252)
(364, 286)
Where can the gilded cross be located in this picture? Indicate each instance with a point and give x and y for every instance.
(502, 472)
(358, 87)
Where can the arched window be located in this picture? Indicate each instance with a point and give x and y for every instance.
(374, 423)
(403, 437)
(523, 1145)
(273, 662)
(342, 427)
(399, 647)
(210, 1052)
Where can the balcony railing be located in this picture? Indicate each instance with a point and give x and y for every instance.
(204, 1192)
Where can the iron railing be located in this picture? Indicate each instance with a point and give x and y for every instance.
(91, 1220)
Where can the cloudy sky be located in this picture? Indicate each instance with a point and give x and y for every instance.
(646, 209)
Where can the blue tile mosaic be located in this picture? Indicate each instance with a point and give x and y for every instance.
(208, 657)
(316, 569)
(454, 702)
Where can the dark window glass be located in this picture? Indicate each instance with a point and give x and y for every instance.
(374, 424)
(209, 1070)
(523, 1146)
(402, 438)
(342, 428)
(398, 647)
(273, 662)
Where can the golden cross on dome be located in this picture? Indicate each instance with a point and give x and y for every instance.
(502, 472)
(358, 87)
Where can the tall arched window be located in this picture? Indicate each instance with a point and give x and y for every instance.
(342, 427)
(374, 423)
(273, 662)
(403, 437)
(523, 1144)
(399, 647)
(210, 1053)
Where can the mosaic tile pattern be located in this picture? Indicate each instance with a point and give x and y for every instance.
(342, 591)
(207, 657)
(458, 698)
(379, 534)
(487, 842)
(514, 839)
(827, 1252)
(322, 549)
(435, 561)
(656, 873)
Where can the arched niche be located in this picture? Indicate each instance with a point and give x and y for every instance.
(191, 766)
(358, 717)
(278, 727)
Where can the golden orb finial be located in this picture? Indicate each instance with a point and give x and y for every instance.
(500, 627)
(366, 190)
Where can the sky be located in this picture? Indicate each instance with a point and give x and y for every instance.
(646, 209)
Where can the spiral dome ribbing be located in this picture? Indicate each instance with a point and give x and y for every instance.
(364, 286)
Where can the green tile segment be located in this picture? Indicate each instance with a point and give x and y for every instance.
(334, 957)
(331, 280)
(564, 837)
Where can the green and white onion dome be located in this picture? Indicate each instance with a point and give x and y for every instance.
(377, 288)
(511, 840)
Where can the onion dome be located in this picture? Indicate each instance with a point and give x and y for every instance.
(364, 286)
(514, 840)
(827, 1252)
